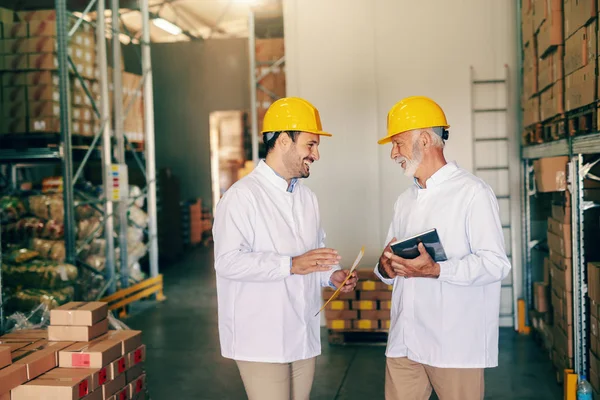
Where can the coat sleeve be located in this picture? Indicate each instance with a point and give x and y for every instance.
(233, 234)
(389, 237)
(487, 262)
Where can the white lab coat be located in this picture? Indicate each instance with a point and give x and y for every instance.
(265, 313)
(452, 321)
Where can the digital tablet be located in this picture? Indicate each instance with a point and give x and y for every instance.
(407, 248)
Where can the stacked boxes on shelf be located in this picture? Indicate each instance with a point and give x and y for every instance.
(30, 82)
(529, 102)
(594, 299)
(581, 40)
(107, 367)
(196, 222)
(366, 308)
(272, 85)
(133, 123)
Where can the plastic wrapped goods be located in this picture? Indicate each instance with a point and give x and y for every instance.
(11, 209)
(50, 249)
(39, 274)
(47, 207)
(20, 256)
(28, 299)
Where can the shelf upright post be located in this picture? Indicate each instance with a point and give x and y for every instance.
(253, 82)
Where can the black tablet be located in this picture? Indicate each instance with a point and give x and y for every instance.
(407, 248)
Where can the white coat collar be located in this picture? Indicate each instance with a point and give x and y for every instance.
(272, 176)
(440, 176)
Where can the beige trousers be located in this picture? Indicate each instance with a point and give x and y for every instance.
(271, 381)
(409, 380)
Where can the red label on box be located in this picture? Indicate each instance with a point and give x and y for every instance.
(80, 360)
(83, 388)
(137, 356)
(123, 395)
(102, 376)
(139, 385)
(121, 365)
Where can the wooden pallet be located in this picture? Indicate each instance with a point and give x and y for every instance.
(555, 128)
(583, 120)
(532, 135)
(358, 336)
(25, 141)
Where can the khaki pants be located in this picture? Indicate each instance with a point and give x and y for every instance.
(409, 380)
(271, 381)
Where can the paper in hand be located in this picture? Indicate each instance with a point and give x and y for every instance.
(358, 258)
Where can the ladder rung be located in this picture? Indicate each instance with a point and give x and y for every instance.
(489, 110)
(491, 168)
(505, 285)
(494, 139)
(488, 81)
(505, 226)
(503, 197)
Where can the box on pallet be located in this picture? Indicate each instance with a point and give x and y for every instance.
(530, 70)
(550, 33)
(39, 357)
(577, 14)
(551, 69)
(531, 111)
(67, 386)
(540, 297)
(551, 174)
(581, 48)
(526, 22)
(552, 101)
(580, 87)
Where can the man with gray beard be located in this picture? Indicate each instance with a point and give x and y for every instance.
(445, 315)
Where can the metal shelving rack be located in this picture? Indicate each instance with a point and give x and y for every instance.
(64, 153)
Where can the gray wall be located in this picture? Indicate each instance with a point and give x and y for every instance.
(191, 80)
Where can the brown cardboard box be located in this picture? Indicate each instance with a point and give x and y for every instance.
(17, 125)
(530, 70)
(531, 111)
(26, 334)
(68, 387)
(136, 387)
(269, 49)
(15, 344)
(540, 297)
(339, 324)
(547, 269)
(562, 230)
(16, 30)
(12, 376)
(385, 324)
(339, 305)
(327, 293)
(594, 334)
(15, 62)
(580, 87)
(526, 22)
(38, 78)
(385, 305)
(364, 305)
(42, 28)
(563, 342)
(365, 324)
(14, 79)
(376, 295)
(374, 314)
(562, 214)
(15, 94)
(136, 357)
(562, 274)
(5, 396)
(551, 68)
(97, 376)
(43, 93)
(594, 282)
(95, 395)
(382, 287)
(551, 174)
(552, 101)
(15, 46)
(367, 285)
(43, 61)
(580, 49)
(5, 358)
(341, 314)
(577, 14)
(118, 367)
(114, 386)
(131, 340)
(37, 15)
(79, 313)
(540, 9)
(594, 371)
(133, 373)
(44, 124)
(560, 245)
(551, 32)
(77, 333)
(95, 354)
(39, 357)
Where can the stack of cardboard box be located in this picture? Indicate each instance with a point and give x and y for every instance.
(133, 124)
(107, 367)
(366, 308)
(581, 39)
(594, 299)
(529, 102)
(272, 85)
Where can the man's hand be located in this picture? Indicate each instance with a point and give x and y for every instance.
(315, 261)
(385, 264)
(338, 277)
(421, 267)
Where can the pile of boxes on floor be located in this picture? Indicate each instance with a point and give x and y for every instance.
(76, 358)
(367, 308)
(196, 223)
(559, 43)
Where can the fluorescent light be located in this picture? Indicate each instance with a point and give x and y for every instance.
(167, 26)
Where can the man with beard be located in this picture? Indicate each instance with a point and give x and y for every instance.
(445, 315)
(271, 260)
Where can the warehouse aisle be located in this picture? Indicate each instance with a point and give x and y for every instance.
(184, 360)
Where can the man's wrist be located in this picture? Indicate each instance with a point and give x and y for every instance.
(382, 271)
(435, 271)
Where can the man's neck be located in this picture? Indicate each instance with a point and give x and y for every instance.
(428, 168)
(278, 167)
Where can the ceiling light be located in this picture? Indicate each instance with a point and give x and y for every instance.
(167, 26)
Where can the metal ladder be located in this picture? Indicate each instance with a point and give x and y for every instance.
(492, 163)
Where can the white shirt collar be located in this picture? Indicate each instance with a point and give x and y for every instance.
(440, 176)
(265, 170)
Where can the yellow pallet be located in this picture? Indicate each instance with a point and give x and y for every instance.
(122, 298)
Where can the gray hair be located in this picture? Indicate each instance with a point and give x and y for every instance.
(435, 134)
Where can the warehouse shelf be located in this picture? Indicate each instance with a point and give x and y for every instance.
(585, 144)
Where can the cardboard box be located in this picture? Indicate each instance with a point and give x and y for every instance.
(530, 70)
(577, 14)
(38, 78)
(594, 282)
(526, 22)
(563, 342)
(43, 93)
(374, 314)
(42, 28)
(562, 279)
(26, 334)
(111, 388)
(540, 297)
(15, 62)
(551, 68)
(5, 358)
(269, 49)
(341, 314)
(118, 367)
(552, 101)
(562, 214)
(133, 373)
(39, 357)
(580, 49)
(136, 357)
(382, 287)
(385, 305)
(551, 32)
(560, 245)
(95, 354)
(16, 30)
(327, 293)
(79, 314)
(364, 305)
(376, 295)
(594, 334)
(365, 324)
(95, 395)
(367, 285)
(547, 269)
(136, 387)
(551, 174)
(14, 79)
(131, 339)
(338, 305)
(562, 230)
(531, 111)
(580, 87)
(77, 333)
(594, 371)
(43, 61)
(65, 386)
(5, 396)
(97, 376)
(339, 324)
(12, 376)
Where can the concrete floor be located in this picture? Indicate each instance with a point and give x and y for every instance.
(184, 361)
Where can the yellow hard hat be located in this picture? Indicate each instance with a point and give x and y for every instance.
(293, 114)
(417, 112)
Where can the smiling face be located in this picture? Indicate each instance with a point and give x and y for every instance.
(406, 152)
(301, 153)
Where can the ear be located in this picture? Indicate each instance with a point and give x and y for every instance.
(284, 140)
